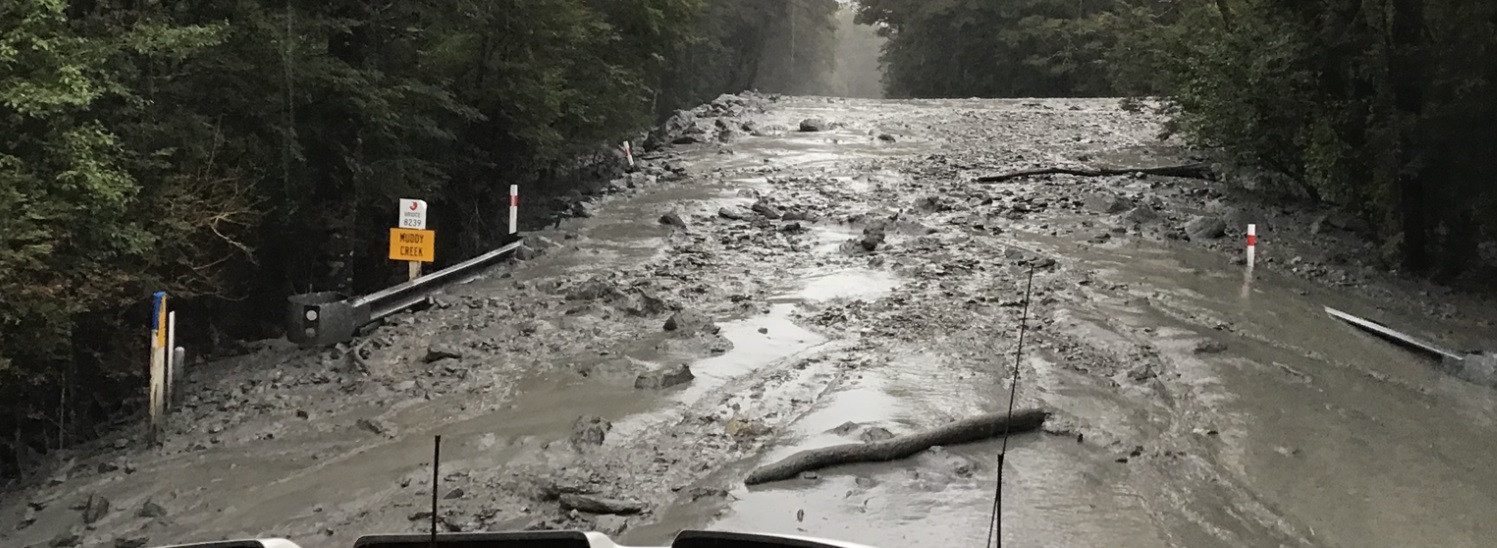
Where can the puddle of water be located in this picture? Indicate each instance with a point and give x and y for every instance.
(855, 283)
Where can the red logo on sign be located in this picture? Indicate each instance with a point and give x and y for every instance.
(414, 206)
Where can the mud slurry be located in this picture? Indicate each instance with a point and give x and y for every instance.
(858, 285)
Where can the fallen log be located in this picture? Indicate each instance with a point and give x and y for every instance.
(963, 431)
(1190, 171)
(600, 505)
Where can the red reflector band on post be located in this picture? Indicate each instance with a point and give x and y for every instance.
(1252, 239)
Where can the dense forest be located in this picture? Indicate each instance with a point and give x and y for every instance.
(1386, 108)
(231, 153)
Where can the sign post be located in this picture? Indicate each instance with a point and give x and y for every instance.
(412, 217)
(629, 153)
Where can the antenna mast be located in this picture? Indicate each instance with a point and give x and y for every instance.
(995, 525)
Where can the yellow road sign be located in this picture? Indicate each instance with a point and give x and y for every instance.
(413, 245)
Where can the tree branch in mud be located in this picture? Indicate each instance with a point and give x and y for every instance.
(1191, 171)
(964, 431)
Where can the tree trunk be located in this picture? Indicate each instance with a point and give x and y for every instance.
(1406, 74)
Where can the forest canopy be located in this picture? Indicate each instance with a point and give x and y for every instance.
(233, 152)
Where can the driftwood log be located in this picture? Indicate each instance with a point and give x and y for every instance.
(963, 431)
(1191, 171)
(356, 355)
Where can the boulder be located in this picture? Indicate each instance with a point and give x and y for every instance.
(1142, 214)
(599, 505)
(594, 288)
(735, 213)
(767, 209)
(1206, 228)
(672, 219)
(95, 509)
(813, 124)
(589, 430)
(690, 322)
(664, 377)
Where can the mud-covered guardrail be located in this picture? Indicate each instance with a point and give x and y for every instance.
(327, 318)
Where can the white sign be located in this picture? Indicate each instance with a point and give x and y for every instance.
(413, 214)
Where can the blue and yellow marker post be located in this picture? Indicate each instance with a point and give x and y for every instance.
(158, 363)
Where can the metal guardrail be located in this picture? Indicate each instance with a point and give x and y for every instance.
(327, 318)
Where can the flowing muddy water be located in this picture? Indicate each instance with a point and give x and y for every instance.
(1194, 407)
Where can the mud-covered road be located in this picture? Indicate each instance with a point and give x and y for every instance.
(841, 285)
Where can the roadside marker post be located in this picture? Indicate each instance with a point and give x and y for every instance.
(514, 209)
(1252, 244)
(171, 362)
(417, 245)
(159, 324)
(629, 153)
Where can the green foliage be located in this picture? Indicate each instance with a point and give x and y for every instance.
(978, 48)
(233, 152)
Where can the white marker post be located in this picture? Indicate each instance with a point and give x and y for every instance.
(629, 153)
(1252, 243)
(514, 209)
(413, 216)
(171, 363)
(179, 360)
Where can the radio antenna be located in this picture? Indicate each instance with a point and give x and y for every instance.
(436, 461)
(995, 525)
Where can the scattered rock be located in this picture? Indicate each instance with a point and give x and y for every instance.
(64, 540)
(455, 493)
(672, 219)
(691, 322)
(151, 510)
(590, 430)
(735, 213)
(795, 214)
(885, 137)
(877, 433)
(865, 482)
(600, 505)
(1108, 203)
(526, 253)
(131, 542)
(95, 509)
(647, 304)
(740, 428)
(1210, 347)
(593, 289)
(107, 467)
(1142, 214)
(872, 238)
(375, 426)
(440, 350)
(664, 377)
(812, 124)
(121, 443)
(809, 475)
(768, 210)
(1206, 228)
(610, 525)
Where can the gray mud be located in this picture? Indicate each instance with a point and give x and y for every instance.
(842, 285)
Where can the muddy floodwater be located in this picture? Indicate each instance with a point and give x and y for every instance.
(838, 286)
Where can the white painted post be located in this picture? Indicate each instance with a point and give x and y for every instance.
(514, 209)
(1252, 244)
(171, 364)
(629, 153)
